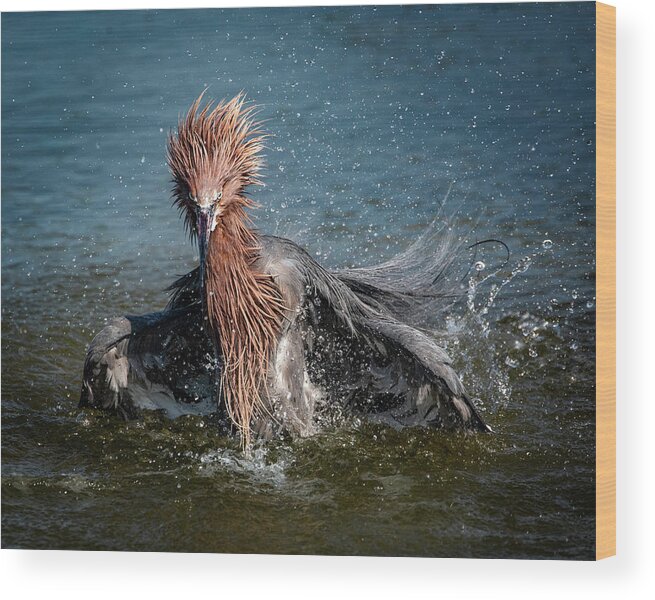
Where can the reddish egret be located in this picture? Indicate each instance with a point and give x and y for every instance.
(260, 332)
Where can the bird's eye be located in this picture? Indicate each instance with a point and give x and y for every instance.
(219, 195)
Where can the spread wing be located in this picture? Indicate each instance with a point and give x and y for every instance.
(387, 370)
(345, 335)
(156, 360)
(365, 358)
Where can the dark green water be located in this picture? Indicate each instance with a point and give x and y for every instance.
(375, 113)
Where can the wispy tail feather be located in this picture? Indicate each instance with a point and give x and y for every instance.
(419, 285)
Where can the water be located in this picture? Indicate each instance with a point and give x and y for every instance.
(376, 113)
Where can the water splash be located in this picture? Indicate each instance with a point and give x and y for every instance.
(260, 464)
(482, 361)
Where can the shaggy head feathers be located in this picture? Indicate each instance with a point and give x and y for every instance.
(215, 155)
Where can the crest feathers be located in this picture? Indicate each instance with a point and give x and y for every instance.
(215, 144)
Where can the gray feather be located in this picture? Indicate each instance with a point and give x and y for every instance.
(348, 342)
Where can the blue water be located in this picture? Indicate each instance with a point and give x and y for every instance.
(375, 113)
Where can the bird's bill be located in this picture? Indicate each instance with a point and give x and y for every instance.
(204, 220)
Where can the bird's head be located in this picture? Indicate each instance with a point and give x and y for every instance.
(214, 156)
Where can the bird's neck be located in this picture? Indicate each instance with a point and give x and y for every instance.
(244, 311)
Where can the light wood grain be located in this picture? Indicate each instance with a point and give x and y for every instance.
(605, 281)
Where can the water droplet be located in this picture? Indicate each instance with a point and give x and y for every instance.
(547, 244)
(523, 265)
(479, 266)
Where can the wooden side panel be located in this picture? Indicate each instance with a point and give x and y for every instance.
(605, 281)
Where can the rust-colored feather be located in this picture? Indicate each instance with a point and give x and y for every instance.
(220, 146)
(245, 311)
(214, 145)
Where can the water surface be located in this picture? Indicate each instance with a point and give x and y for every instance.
(376, 113)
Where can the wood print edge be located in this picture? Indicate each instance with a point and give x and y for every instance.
(605, 281)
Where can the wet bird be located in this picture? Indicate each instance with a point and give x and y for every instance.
(262, 334)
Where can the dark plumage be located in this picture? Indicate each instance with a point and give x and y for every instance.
(263, 334)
